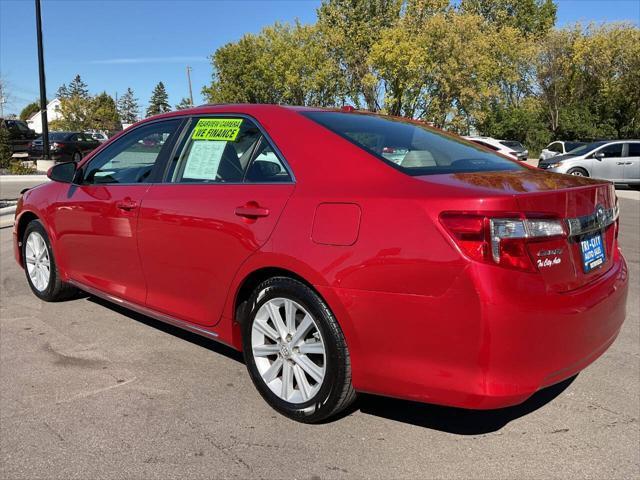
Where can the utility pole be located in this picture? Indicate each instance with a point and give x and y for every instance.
(43, 87)
(189, 80)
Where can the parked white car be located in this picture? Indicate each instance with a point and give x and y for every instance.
(618, 161)
(559, 147)
(509, 148)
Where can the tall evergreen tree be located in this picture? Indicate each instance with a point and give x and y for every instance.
(128, 107)
(184, 103)
(63, 91)
(77, 88)
(159, 102)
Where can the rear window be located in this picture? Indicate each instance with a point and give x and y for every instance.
(412, 149)
(513, 145)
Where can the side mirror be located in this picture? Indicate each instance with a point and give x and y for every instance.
(598, 155)
(63, 172)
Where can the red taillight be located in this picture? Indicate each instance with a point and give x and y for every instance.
(500, 239)
(468, 231)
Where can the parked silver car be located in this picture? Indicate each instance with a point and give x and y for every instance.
(618, 161)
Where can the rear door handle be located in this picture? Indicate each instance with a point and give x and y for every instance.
(621, 163)
(252, 210)
(126, 205)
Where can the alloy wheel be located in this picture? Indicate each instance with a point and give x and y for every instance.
(288, 350)
(38, 261)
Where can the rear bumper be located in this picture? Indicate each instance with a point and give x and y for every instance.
(482, 345)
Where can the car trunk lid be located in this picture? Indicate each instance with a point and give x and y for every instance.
(586, 207)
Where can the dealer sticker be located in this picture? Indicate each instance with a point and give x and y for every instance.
(225, 129)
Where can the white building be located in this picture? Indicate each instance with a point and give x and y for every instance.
(53, 113)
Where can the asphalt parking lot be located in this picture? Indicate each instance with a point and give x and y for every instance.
(88, 390)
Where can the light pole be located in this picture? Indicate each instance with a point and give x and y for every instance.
(43, 87)
(189, 80)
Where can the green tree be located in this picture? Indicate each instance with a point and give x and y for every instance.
(184, 104)
(531, 17)
(128, 107)
(281, 64)
(159, 102)
(5, 148)
(589, 81)
(349, 29)
(28, 111)
(77, 88)
(104, 114)
(75, 106)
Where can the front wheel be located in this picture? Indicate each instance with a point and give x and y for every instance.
(40, 265)
(295, 351)
(578, 172)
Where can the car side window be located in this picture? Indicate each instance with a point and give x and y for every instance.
(634, 150)
(215, 150)
(555, 147)
(131, 158)
(266, 166)
(612, 151)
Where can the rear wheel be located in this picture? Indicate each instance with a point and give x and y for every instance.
(578, 172)
(40, 266)
(295, 351)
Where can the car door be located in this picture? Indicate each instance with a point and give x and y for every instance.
(632, 162)
(608, 163)
(224, 190)
(96, 219)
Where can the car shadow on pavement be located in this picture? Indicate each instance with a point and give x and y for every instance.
(456, 420)
(446, 419)
(194, 338)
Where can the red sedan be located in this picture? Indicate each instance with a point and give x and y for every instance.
(342, 252)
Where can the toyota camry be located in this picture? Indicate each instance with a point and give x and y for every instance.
(340, 251)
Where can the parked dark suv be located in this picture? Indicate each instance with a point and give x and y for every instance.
(20, 135)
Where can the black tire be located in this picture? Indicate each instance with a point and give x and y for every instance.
(335, 392)
(76, 157)
(578, 172)
(56, 290)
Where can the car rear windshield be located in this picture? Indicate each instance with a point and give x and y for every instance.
(412, 149)
(513, 145)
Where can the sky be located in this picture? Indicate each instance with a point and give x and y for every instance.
(118, 43)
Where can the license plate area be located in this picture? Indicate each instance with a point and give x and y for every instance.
(592, 250)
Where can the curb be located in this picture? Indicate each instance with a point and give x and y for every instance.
(7, 216)
(23, 178)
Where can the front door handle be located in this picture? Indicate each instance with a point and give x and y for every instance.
(127, 205)
(252, 210)
(621, 163)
